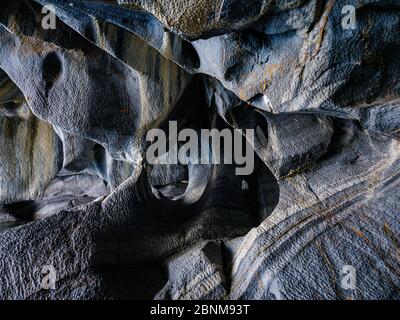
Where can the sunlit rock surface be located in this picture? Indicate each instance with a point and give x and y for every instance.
(76, 193)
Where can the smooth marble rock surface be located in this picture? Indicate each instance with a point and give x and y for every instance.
(76, 193)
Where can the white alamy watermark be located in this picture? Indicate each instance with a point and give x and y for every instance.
(349, 19)
(203, 146)
(49, 280)
(348, 281)
(49, 20)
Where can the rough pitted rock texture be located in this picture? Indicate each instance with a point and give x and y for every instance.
(77, 194)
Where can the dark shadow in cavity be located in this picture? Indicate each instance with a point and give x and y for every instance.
(52, 69)
(22, 210)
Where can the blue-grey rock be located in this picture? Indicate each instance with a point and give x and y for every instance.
(77, 194)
